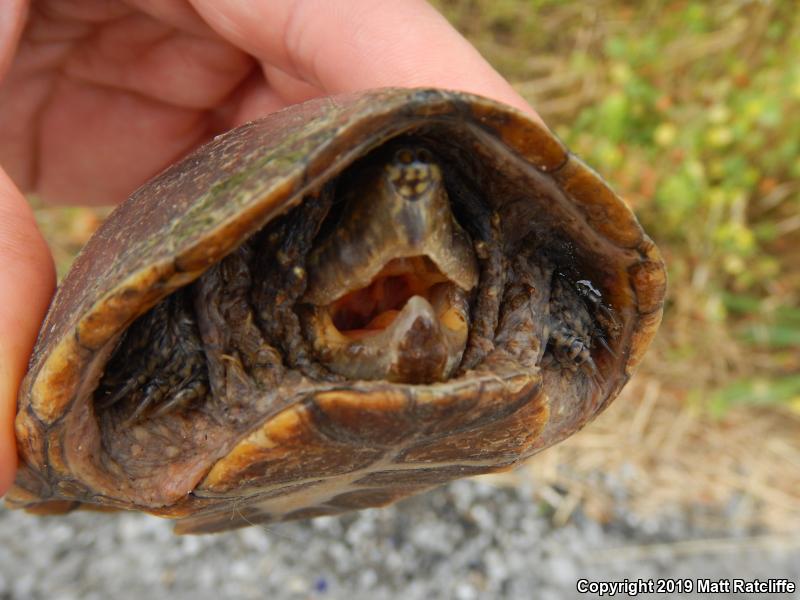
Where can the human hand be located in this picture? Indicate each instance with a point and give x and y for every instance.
(99, 96)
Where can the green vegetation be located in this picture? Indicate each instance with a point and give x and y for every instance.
(691, 110)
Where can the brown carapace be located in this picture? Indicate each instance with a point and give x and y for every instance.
(345, 303)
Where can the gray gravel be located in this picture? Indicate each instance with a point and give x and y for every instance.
(467, 540)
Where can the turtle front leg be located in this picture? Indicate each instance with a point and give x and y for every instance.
(572, 352)
(158, 363)
(575, 326)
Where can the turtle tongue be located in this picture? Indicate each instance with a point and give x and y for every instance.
(387, 294)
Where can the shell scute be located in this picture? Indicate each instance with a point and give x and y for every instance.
(606, 211)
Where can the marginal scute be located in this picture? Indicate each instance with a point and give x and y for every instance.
(650, 282)
(606, 211)
(27, 493)
(288, 424)
(198, 258)
(529, 138)
(359, 499)
(379, 417)
(646, 328)
(54, 507)
(464, 406)
(54, 384)
(116, 310)
(311, 513)
(30, 488)
(55, 452)
(30, 439)
(286, 448)
(501, 442)
(425, 476)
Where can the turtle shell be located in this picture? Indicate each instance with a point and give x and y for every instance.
(269, 438)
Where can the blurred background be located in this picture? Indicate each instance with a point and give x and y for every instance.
(691, 110)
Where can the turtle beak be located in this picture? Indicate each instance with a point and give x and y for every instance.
(388, 291)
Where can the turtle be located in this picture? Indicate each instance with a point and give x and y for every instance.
(331, 308)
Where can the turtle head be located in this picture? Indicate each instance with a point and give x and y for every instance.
(389, 286)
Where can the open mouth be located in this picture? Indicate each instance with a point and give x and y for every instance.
(409, 323)
(373, 309)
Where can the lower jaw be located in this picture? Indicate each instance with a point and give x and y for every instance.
(422, 343)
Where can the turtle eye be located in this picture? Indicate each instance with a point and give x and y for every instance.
(404, 156)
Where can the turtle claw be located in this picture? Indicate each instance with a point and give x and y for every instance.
(607, 312)
(121, 393)
(573, 352)
(136, 415)
(590, 368)
(602, 341)
(194, 390)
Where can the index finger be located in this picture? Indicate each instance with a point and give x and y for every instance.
(358, 44)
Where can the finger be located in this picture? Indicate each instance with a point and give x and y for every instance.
(12, 20)
(253, 99)
(27, 279)
(176, 13)
(346, 46)
(92, 133)
(144, 56)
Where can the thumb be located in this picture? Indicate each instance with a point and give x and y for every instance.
(359, 44)
(27, 279)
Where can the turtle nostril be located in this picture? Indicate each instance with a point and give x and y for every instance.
(423, 155)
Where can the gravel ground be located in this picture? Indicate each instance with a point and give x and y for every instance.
(468, 540)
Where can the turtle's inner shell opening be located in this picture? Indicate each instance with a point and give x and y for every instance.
(372, 309)
(374, 276)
